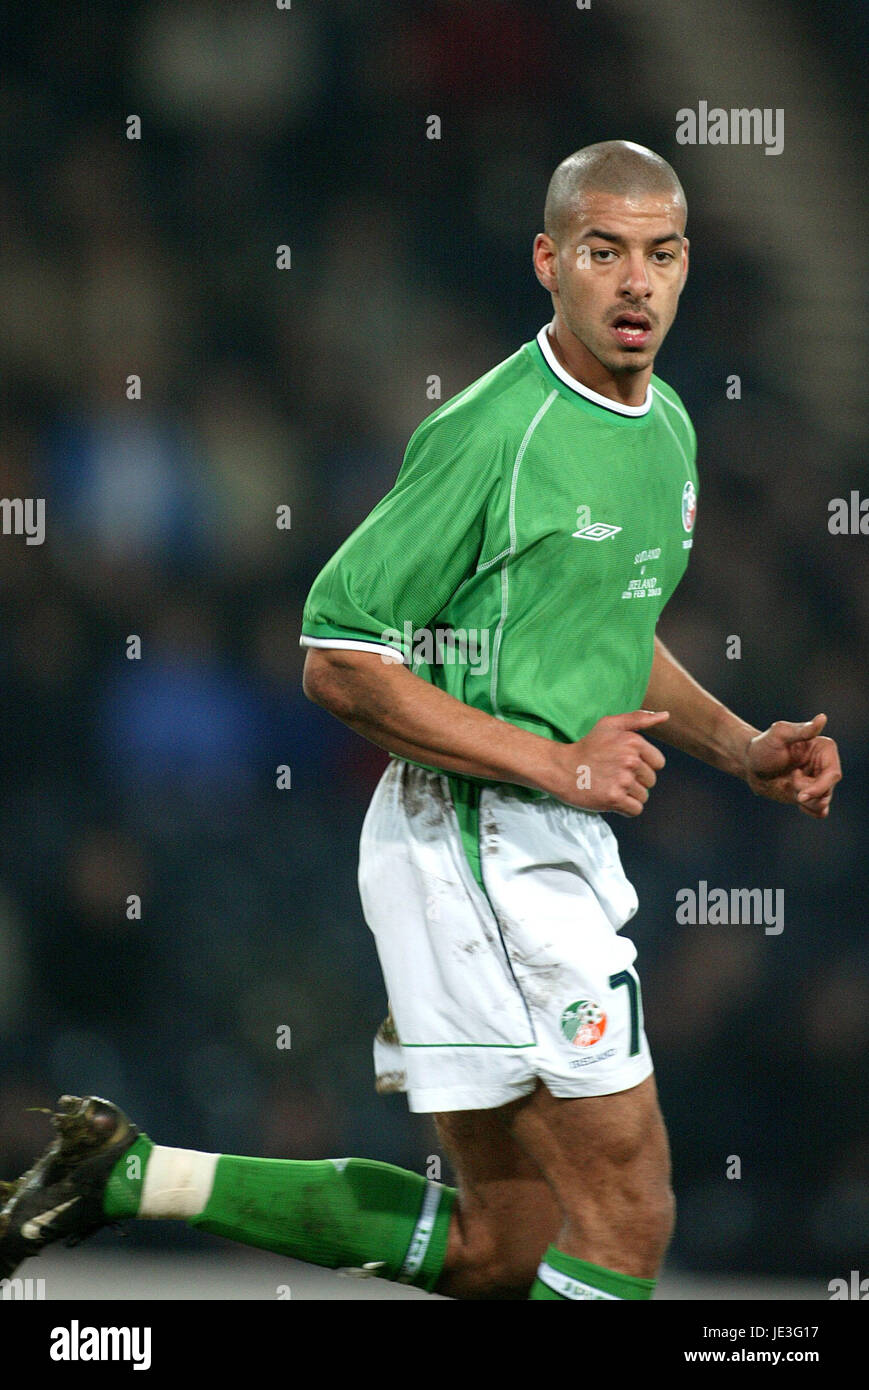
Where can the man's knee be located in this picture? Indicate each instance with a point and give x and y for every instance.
(631, 1213)
(650, 1212)
(485, 1264)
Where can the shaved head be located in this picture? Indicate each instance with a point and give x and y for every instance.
(614, 258)
(618, 167)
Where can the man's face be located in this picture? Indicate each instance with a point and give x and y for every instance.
(617, 276)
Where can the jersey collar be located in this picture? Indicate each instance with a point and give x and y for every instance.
(554, 365)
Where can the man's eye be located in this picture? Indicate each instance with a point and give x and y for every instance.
(664, 256)
(603, 251)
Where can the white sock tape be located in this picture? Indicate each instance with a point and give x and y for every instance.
(571, 1288)
(177, 1183)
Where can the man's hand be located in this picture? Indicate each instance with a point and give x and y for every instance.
(613, 768)
(791, 763)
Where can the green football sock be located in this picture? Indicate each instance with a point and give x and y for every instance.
(562, 1278)
(338, 1212)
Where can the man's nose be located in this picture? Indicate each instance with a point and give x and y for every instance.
(636, 277)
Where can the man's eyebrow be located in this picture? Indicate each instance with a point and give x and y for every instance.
(620, 240)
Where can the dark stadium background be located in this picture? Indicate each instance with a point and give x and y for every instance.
(262, 387)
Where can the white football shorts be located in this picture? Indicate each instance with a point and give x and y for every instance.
(491, 990)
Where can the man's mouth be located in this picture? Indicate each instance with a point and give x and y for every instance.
(632, 330)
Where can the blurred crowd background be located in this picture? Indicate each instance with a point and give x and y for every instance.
(264, 387)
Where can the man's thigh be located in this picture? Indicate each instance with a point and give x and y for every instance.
(573, 1138)
(607, 1162)
(590, 1175)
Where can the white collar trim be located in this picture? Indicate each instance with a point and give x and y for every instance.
(586, 391)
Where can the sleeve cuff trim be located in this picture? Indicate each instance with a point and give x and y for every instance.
(352, 644)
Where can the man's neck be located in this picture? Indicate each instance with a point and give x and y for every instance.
(625, 388)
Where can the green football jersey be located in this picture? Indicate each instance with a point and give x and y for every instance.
(526, 551)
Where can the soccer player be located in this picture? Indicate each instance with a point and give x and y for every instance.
(492, 625)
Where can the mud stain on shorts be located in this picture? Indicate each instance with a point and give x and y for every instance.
(391, 1083)
(423, 797)
(541, 980)
(488, 832)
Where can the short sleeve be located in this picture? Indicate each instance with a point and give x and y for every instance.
(401, 566)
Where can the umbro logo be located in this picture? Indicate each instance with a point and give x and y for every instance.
(596, 531)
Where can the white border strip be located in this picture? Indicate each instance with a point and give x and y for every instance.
(586, 391)
(422, 1234)
(573, 1289)
(350, 644)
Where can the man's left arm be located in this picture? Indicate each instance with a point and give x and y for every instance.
(789, 762)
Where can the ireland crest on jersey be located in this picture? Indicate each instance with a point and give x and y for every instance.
(689, 505)
(583, 1023)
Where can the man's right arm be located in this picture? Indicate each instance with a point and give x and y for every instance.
(399, 711)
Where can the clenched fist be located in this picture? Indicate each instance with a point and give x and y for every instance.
(792, 763)
(612, 768)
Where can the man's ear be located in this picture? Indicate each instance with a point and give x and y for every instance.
(685, 245)
(544, 258)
